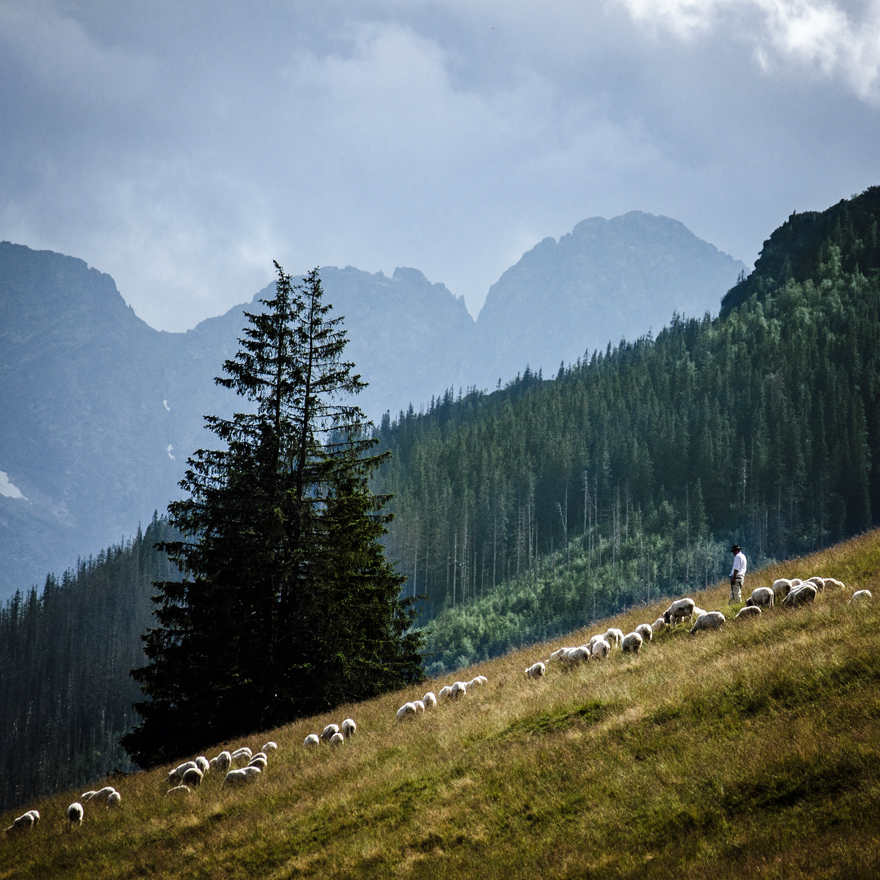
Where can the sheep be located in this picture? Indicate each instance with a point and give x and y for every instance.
(241, 756)
(420, 707)
(800, 595)
(328, 731)
(430, 700)
(536, 670)
(573, 655)
(601, 649)
(203, 764)
(405, 711)
(99, 797)
(337, 739)
(24, 822)
(273, 746)
(182, 789)
(349, 728)
(75, 814)
(631, 643)
(819, 582)
(748, 611)
(613, 636)
(114, 800)
(796, 582)
(762, 597)
(87, 795)
(261, 760)
(192, 777)
(475, 681)
(177, 773)
(312, 741)
(679, 610)
(659, 625)
(222, 762)
(558, 654)
(240, 776)
(781, 588)
(833, 584)
(697, 612)
(645, 631)
(251, 773)
(459, 689)
(708, 620)
(861, 596)
(445, 693)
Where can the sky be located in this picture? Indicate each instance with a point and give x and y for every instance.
(183, 147)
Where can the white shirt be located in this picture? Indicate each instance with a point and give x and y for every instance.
(739, 563)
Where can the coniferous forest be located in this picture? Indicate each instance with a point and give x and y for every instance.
(542, 505)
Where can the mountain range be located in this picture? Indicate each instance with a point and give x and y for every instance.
(100, 411)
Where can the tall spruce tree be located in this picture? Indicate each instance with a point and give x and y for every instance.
(286, 604)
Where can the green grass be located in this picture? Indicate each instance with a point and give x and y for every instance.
(750, 752)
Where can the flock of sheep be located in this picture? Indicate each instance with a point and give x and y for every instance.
(243, 766)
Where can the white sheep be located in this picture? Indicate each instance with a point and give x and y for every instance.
(558, 654)
(328, 731)
(613, 636)
(183, 789)
(349, 728)
(631, 643)
(192, 777)
(645, 631)
(536, 670)
(337, 739)
(273, 746)
(679, 610)
(708, 620)
(87, 795)
(114, 800)
(430, 700)
(459, 689)
(445, 693)
(802, 594)
(312, 741)
(407, 710)
(833, 584)
(600, 650)
(24, 822)
(261, 761)
(100, 797)
(575, 655)
(697, 612)
(242, 755)
(203, 764)
(659, 625)
(819, 582)
(222, 762)
(420, 707)
(75, 814)
(762, 597)
(781, 588)
(861, 596)
(174, 776)
(748, 611)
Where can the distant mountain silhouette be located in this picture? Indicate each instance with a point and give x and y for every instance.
(100, 411)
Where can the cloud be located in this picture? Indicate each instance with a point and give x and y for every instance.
(814, 33)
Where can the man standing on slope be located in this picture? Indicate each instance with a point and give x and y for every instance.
(737, 574)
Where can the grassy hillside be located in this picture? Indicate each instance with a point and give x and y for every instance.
(751, 752)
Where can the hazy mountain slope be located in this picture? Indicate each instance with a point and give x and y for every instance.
(748, 752)
(604, 281)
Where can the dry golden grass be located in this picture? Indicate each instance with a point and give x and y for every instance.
(752, 751)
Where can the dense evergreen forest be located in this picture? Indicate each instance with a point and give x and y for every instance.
(545, 504)
(535, 508)
(65, 656)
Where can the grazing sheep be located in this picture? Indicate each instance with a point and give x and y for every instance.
(405, 711)
(24, 822)
(222, 762)
(328, 731)
(242, 776)
(445, 693)
(613, 636)
(459, 689)
(659, 625)
(762, 597)
(575, 655)
(273, 746)
(100, 797)
(193, 777)
(601, 649)
(819, 582)
(261, 761)
(645, 631)
(75, 814)
(87, 795)
(203, 764)
(861, 596)
(803, 594)
(114, 800)
(558, 654)
(430, 700)
(833, 584)
(679, 610)
(708, 620)
(183, 789)
(796, 582)
(697, 612)
(312, 741)
(242, 756)
(631, 643)
(536, 670)
(748, 611)
(252, 773)
(420, 706)
(337, 739)
(174, 776)
(349, 728)
(474, 682)
(781, 588)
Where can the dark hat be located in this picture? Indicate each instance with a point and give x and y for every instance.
(735, 548)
